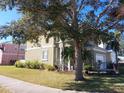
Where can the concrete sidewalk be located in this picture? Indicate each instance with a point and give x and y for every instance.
(18, 86)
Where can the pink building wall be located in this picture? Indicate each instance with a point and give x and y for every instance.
(10, 53)
(1, 52)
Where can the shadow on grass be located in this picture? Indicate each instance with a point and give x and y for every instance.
(93, 85)
(96, 83)
(100, 83)
(121, 68)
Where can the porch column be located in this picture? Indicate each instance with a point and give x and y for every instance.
(69, 64)
(61, 59)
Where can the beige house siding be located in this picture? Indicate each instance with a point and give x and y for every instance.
(34, 54)
(35, 51)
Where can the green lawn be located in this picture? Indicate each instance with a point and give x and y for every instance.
(3, 90)
(111, 84)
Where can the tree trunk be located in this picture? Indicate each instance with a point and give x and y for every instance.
(78, 62)
(18, 49)
(116, 54)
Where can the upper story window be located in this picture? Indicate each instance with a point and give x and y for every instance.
(22, 49)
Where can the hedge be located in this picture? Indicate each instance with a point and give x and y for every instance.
(34, 65)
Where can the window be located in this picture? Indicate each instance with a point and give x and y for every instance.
(21, 57)
(44, 54)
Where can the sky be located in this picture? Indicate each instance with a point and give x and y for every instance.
(6, 17)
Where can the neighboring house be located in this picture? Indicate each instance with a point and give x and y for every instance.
(9, 53)
(50, 53)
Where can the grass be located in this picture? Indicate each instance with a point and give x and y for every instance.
(3, 90)
(65, 81)
(47, 78)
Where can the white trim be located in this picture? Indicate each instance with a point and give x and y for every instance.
(33, 48)
(42, 46)
(110, 50)
(47, 46)
(44, 60)
(99, 50)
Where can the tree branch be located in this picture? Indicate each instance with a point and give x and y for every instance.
(115, 23)
(104, 11)
(81, 6)
(65, 22)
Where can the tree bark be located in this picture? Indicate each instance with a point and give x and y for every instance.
(18, 49)
(78, 62)
(116, 54)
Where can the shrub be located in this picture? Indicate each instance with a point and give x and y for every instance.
(49, 67)
(34, 65)
(20, 64)
(88, 67)
(42, 66)
(37, 65)
(30, 64)
(109, 65)
(27, 64)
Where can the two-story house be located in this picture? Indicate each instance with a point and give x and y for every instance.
(51, 53)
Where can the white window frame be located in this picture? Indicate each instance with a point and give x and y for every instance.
(45, 54)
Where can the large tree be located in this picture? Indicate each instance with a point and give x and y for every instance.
(78, 20)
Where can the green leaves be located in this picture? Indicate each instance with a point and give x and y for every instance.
(67, 19)
(68, 53)
(122, 1)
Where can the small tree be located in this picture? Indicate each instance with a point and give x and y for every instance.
(114, 44)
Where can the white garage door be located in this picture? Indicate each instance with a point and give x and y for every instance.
(102, 58)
